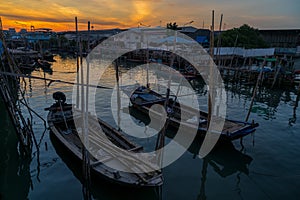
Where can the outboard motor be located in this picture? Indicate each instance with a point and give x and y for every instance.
(59, 97)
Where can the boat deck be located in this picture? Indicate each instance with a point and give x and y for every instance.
(104, 158)
(188, 117)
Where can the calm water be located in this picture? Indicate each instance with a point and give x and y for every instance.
(267, 168)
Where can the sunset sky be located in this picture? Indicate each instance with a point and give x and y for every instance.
(59, 14)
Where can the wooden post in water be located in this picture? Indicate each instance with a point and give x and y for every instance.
(160, 142)
(232, 57)
(253, 97)
(219, 40)
(85, 132)
(77, 63)
(116, 64)
(278, 67)
(212, 37)
(147, 55)
(210, 93)
(7, 91)
(255, 89)
(202, 194)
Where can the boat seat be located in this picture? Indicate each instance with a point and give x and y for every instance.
(103, 160)
(138, 148)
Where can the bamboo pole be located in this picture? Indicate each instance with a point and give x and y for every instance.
(235, 44)
(124, 158)
(87, 83)
(219, 40)
(117, 156)
(77, 63)
(202, 194)
(212, 35)
(86, 123)
(147, 57)
(118, 94)
(107, 146)
(210, 94)
(51, 80)
(276, 74)
(253, 97)
(85, 153)
(160, 142)
(255, 89)
(23, 128)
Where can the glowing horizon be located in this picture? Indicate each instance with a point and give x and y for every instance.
(106, 14)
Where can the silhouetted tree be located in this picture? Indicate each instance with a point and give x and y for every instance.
(248, 37)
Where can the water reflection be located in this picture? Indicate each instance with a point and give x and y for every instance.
(224, 159)
(100, 188)
(273, 108)
(15, 179)
(293, 119)
(266, 101)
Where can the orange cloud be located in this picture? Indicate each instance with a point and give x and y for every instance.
(142, 10)
(59, 14)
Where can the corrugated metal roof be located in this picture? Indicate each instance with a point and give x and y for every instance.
(227, 51)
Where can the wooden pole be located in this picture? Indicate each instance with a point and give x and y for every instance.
(219, 40)
(86, 157)
(255, 89)
(202, 194)
(212, 36)
(89, 33)
(210, 94)
(253, 97)
(77, 62)
(235, 44)
(87, 75)
(50, 80)
(160, 142)
(118, 94)
(147, 54)
(278, 64)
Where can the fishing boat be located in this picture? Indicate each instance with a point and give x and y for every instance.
(62, 118)
(297, 76)
(143, 98)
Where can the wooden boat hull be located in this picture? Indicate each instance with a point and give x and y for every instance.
(232, 129)
(73, 145)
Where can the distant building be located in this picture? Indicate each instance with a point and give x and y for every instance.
(285, 38)
(40, 34)
(37, 36)
(12, 31)
(12, 34)
(187, 29)
(94, 34)
(202, 36)
(23, 31)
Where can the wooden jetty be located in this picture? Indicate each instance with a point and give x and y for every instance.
(277, 71)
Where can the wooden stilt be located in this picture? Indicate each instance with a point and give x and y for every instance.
(211, 81)
(77, 62)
